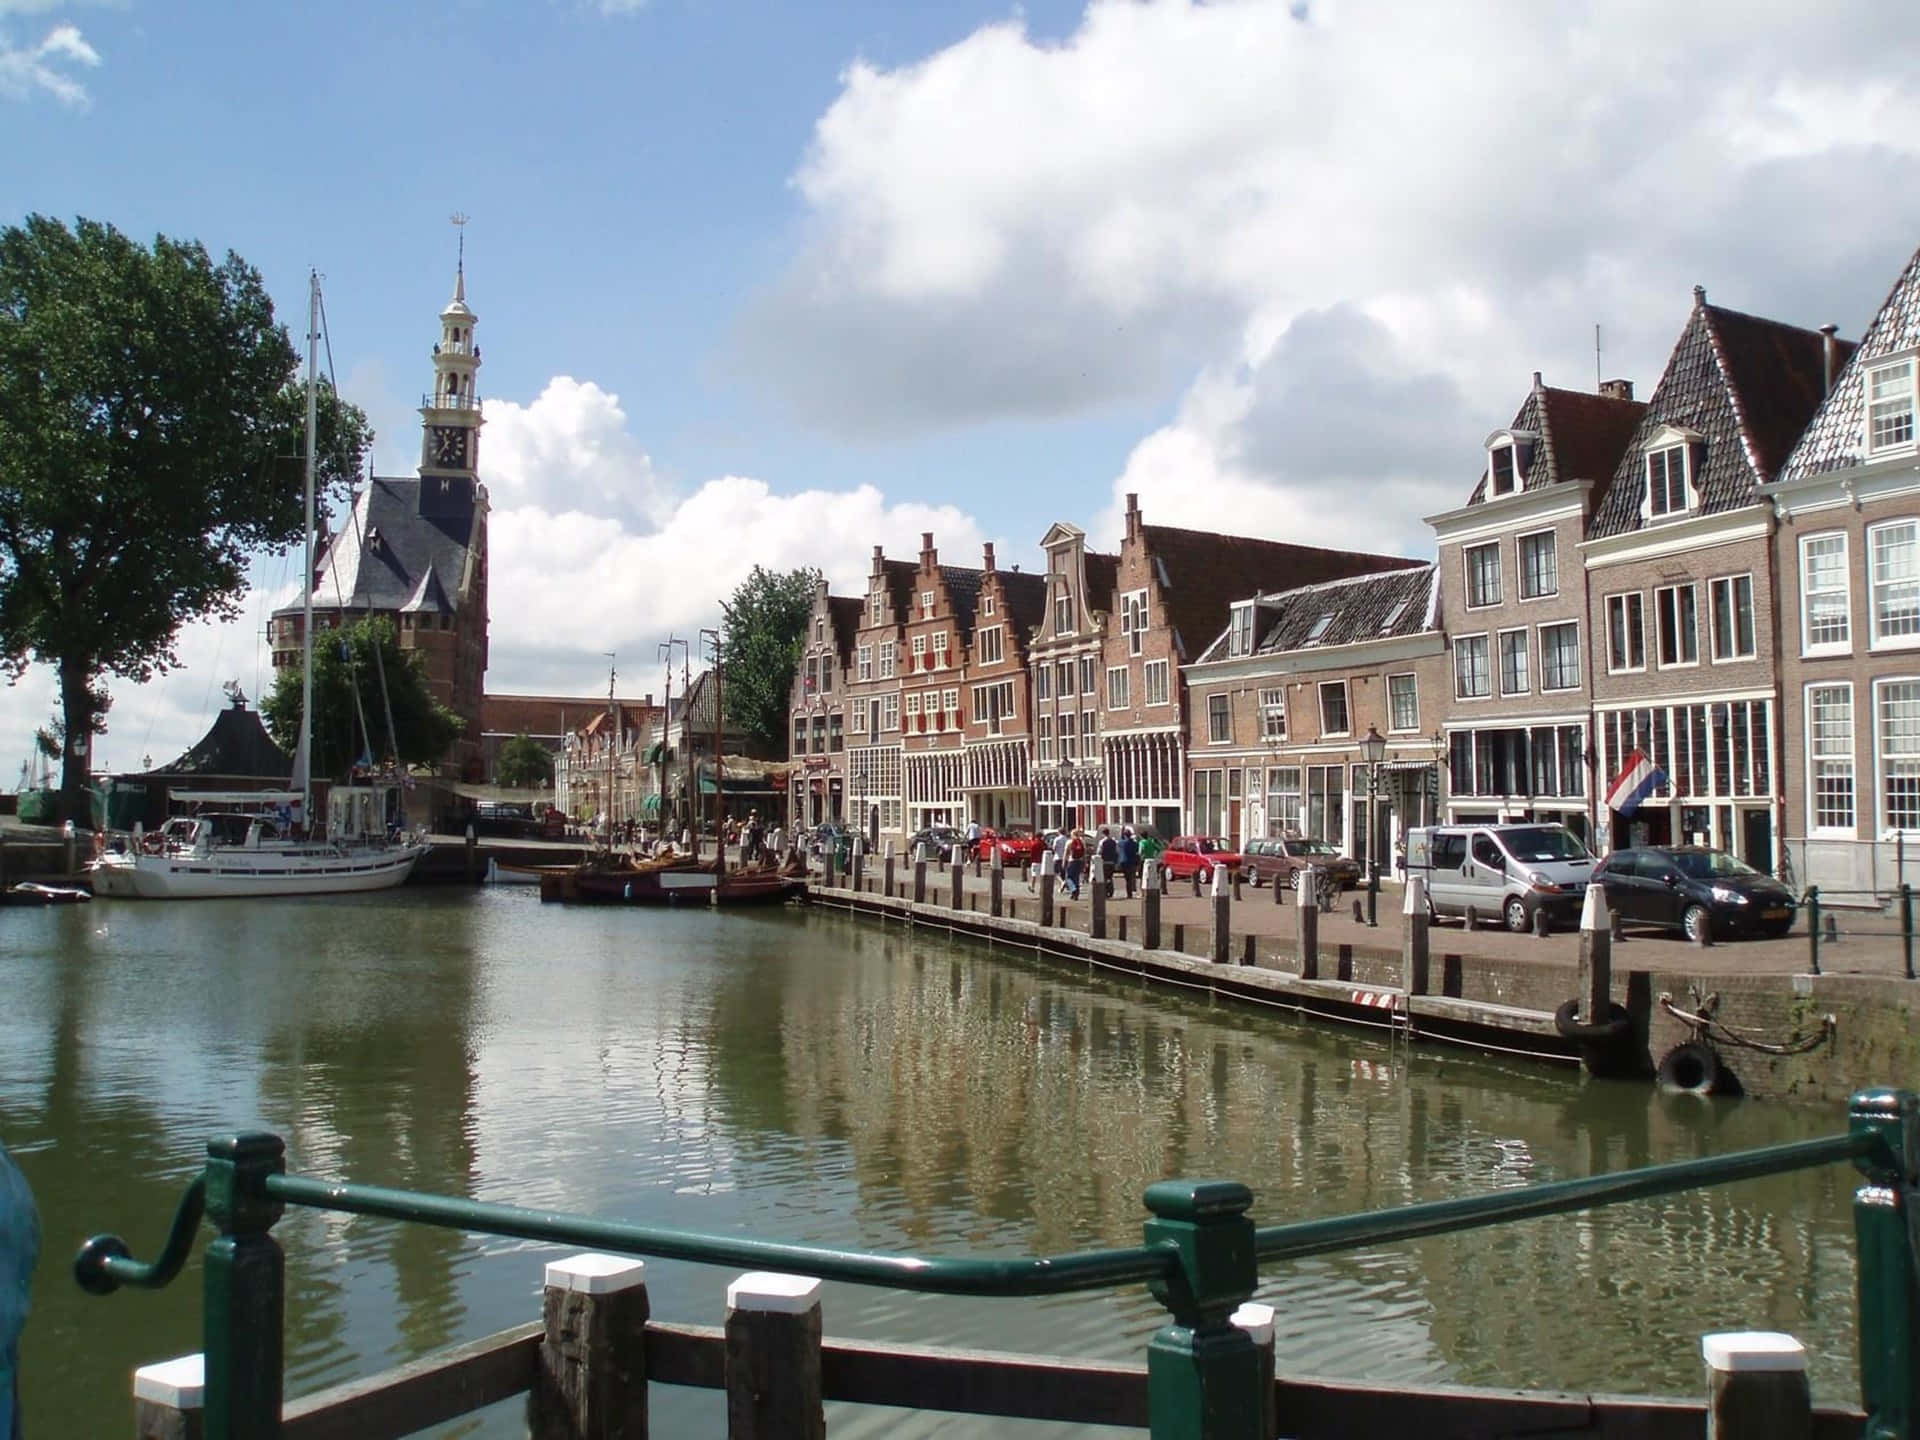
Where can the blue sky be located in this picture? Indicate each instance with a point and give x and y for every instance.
(774, 283)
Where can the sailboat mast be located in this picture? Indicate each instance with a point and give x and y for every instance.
(303, 756)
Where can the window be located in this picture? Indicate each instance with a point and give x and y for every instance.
(1393, 616)
(926, 604)
(1732, 598)
(1117, 677)
(1824, 599)
(1086, 674)
(992, 646)
(1830, 756)
(836, 742)
(1560, 657)
(1895, 582)
(1513, 662)
(1626, 632)
(1063, 678)
(859, 718)
(865, 656)
(1089, 723)
(1283, 800)
(1043, 682)
(890, 712)
(1677, 618)
(799, 735)
(1069, 745)
(1063, 611)
(1539, 566)
(919, 647)
(1209, 809)
(1327, 803)
(1157, 679)
(1045, 736)
(813, 673)
(1890, 406)
(1318, 629)
(827, 667)
(913, 709)
(992, 705)
(1133, 619)
(1240, 638)
(1403, 703)
(1273, 714)
(1503, 466)
(1471, 679)
(886, 660)
(1483, 575)
(950, 702)
(1333, 708)
(1219, 723)
(1667, 481)
(940, 649)
(986, 605)
(1897, 711)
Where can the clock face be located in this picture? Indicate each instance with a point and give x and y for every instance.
(449, 445)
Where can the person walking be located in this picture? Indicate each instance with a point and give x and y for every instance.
(1076, 862)
(1109, 859)
(1129, 858)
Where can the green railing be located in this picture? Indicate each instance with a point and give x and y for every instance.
(1200, 1258)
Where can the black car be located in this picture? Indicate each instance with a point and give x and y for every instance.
(1690, 888)
(941, 842)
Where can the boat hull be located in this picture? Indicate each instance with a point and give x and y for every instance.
(237, 874)
(684, 886)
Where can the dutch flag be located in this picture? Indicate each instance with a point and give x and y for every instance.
(1637, 779)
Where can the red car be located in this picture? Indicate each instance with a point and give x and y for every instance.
(1198, 855)
(1018, 846)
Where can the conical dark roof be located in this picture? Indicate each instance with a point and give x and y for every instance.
(237, 746)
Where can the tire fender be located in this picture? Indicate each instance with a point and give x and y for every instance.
(1566, 1020)
(1691, 1069)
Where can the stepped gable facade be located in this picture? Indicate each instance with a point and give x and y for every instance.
(1518, 700)
(1680, 581)
(938, 628)
(997, 697)
(1069, 648)
(875, 767)
(819, 708)
(414, 550)
(1846, 557)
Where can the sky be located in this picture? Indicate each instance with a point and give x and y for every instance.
(774, 283)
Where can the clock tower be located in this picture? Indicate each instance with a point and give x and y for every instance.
(450, 416)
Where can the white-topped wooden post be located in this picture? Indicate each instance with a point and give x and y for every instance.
(886, 872)
(592, 1373)
(773, 1358)
(1155, 887)
(1594, 968)
(1257, 1320)
(170, 1399)
(1756, 1386)
(1096, 898)
(996, 878)
(1307, 918)
(1222, 913)
(959, 880)
(1416, 952)
(1046, 886)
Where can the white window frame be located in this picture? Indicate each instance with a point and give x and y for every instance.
(1679, 662)
(1043, 737)
(1240, 631)
(918, 647)
(1413, 684)
(1063, 610)
(1273, 708)
(986, 604)
(1487, 601)
(1164, 670)
(1881, 757)
(1043, 680)
(1892, 404)
(1728, 586)
(926, 604)
(1219, 718)
(874, 604)
(857, 722)
(940, 649)
(1540, 651)
(865, 662)
(1843, 645)
(1133, 619)
(890, 711)
(1346, 706)
(886, 659)
(1526, 662)
(1512, 452)
(1461, 642)
(1622, 599)
(1552, 537)
(950, 702)
(1069, 735)
(1118, 677)
(1876, 640)
(1089, 677)
(992, 645)
(1815, 758)
(1665, 453)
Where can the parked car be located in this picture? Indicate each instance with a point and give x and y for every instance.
(940, 840)
(1510, 871)
(1199, 855)
(1281, 859)
(835, 838)
(1696, 891)
(1018, 846)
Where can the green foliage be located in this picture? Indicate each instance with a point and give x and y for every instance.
(766, 627)
(151, 441)
(424, 728)
(523, 762)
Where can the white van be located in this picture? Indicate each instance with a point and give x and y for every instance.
(1508, 871)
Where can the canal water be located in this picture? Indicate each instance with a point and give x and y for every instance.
(812, 1078)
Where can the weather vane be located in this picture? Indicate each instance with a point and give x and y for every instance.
(459, 220)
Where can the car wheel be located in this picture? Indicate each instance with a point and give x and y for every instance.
(1206, 874)
(1518, 920)
(1697, 923)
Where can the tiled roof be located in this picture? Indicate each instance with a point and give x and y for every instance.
(1748, 385)
(901, 575)
(1202, 574)
(236, 745)
(1026, 598)
(1103, 578)
(1836, 440)
(1381, 606)
(1581, 435)
(846, 611)
(963, 594)
(385, 550)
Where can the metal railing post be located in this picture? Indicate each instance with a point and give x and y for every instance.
(1906, 926)
(1203, 1371)
(245, 1289)
(1813, 927)
(1889, 1293)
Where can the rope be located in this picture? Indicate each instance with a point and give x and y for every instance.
(1702, 1023)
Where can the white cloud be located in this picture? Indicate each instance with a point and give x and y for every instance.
(28, 70)
(569, 450)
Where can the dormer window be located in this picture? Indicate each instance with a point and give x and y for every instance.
(1240, 638)
(1670, 456)
(1890, 407)
(1503, 465)
(1319, 629)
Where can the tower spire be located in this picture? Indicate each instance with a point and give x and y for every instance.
(459, 219)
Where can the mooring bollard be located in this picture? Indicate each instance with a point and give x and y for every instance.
(1097, 899)
(1195, 877)
(1222, 901)
(773, 1358)
(591, 1378)
(1279, 892)
(996, 877)
(1594, 976)
(1307, 915)
(1150, 907)
(920, 875)
(1906, 926)
(1237, 877)
(1416, 952)
(473, 857)
(959, 881)
(1046, 888)
(1757, 1387)
(170, 1399)
(886, 870)
(828, 874)
(1813, 928)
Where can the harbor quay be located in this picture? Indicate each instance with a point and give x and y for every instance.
(1773, 1019)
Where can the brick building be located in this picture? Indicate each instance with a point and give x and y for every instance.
(820, 706)
(1069, 648)
(1846, 559)
(997, 698)
(875, 767)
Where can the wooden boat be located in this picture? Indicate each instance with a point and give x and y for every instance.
(32, 892)
(676, 881)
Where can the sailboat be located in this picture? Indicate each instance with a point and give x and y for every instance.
(248, 842)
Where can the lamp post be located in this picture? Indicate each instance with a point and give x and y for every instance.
(1374, 749)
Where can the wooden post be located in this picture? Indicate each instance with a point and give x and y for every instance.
(1595, 984)
(1415, 949)
(1179, 937)
(1046, 888)
(1097, 897)
(1279, 892)
(70, 842)
(473, 858)
(1756, 1387)
(996, 877)
(1150, 907)
(591, 1377)
(920, 876)
(1257, 1320)
(859, 863)
(959, 881)
(1307, 913)
(1195, 877)
(170, 1398)
(773, 1358)
(886, 871)
(1222, 901)
(1236, 885)
(827, 877)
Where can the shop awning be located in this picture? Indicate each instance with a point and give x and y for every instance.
(738, 785)
(650, 805)
(656, 752)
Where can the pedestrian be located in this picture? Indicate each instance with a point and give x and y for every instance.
(973, 839)
(1076, 862)
(1129, 858)
(1109, 858)
(19, 1249)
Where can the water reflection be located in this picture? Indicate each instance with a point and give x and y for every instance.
(809, 1079)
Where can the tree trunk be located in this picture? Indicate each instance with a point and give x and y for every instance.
(77, 713)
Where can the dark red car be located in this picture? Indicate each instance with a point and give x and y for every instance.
(1199, 855)
(1018, 845)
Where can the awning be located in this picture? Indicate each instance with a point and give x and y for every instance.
(656, 752)
(650, 805)
(740, 785)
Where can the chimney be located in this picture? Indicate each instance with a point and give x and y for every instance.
(1699, 295)
(987, 552)
(1616, 389)
(1832, 354)
(879, 561)
(929, 557)
(1133, 514)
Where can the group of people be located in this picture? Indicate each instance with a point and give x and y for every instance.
(1120, 850)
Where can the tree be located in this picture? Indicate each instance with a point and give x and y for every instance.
(766, 626)
(150, 443)
(523, 762)
(350, 664)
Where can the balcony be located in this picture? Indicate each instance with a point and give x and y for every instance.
(450, 402)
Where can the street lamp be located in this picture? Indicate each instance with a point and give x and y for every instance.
(1374, 749)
